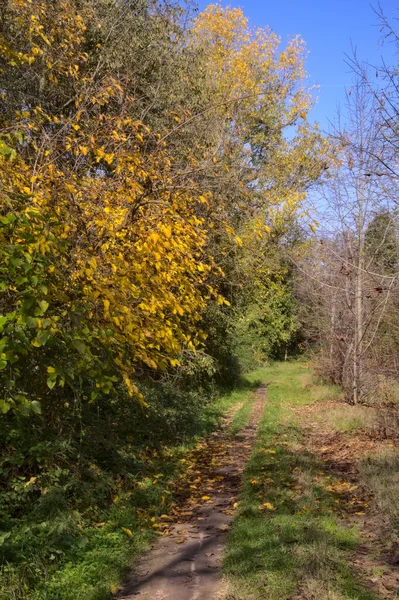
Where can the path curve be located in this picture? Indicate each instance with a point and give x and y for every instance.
(191, 570)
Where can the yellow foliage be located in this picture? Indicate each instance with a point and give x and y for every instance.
(246, 66)
(125, 245)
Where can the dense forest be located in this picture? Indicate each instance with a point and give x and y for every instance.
(158, 241)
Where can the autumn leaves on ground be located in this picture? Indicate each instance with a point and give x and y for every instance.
(158, 258)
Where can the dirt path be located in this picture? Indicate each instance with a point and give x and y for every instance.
(185, 564)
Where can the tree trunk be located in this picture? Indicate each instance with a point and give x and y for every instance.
(358, 342)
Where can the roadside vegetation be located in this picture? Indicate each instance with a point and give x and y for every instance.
(78, 540)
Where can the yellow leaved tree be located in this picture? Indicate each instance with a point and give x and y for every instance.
(102, 270)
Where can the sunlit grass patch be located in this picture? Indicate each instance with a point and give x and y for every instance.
(242, 415)
(320, 392)
(349, 418)
(380, 472)
(345, 418)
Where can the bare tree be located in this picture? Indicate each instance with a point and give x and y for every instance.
(350, 291)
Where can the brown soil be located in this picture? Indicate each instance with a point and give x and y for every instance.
(185, 563)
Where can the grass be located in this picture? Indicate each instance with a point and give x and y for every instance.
(241, 417)
(286, 540)
(379, 471)
(59, 552)
(345, 418)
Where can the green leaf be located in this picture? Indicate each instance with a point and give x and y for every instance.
(80, 346)
(43, 306)
(4, 406)
(21, 280)
(19, 136)
(36, 408)
(43, 336)
(51, 382)
(7, 151)
(31, 322)
(28, 301)
(16, 262)
(4, 536)
(3, 364)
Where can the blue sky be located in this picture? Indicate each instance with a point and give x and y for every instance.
(329, 28)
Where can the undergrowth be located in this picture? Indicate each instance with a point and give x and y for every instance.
(77, 507)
